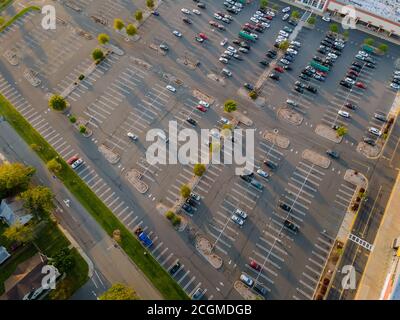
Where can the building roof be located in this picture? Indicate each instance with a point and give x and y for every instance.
(27, 277)
(13, 211)
(4, 255)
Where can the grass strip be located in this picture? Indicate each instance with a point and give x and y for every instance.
(17, 16)
(161, 280)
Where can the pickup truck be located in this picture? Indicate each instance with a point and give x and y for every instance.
(143, 237)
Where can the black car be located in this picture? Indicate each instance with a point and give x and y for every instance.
(264, 63)
(191, 121)
(231, 10)
(260, 30)
(260, 289)
(246, 178)
(370, 65)
(304, 76)
(299, 89)
(186, 20)
(201, 5)
(285, 207)
(292, 22)
(318, 59)
(269, 55)
(174, 269)
(355, 68)
(273, 52)
(351, 76)
(244, 45)
(299, 84)
(307, 73)
(332, 154)
(191, 202)
(323, 51)
(247, 29)
(356, 64)
(311, 89)
(248, 86)
(327, 63)
(276, 44)
(274, 76)
(270, 164)
(369, 141)
(291, 226)
(187, 208)
(288, 57)
(396, 81)
(287, 67)
(345, 84)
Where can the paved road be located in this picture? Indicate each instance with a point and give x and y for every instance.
(122, 96)
(91, 238)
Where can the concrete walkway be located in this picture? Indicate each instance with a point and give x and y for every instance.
(382, 257)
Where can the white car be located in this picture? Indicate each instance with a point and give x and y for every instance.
(339, 44)
(224, 121)
(177, 33)
(226, 72)
(132, 136)
(292, 51)
(285, 17)
(254, 20)
(240, 213)
(204, 104)
(237, 220)
(195, 196)
(195, 11)
(77, 163)
(296, 43)
(265, 24)
(283, 33)
(396, 73)
(223, 60)
(332, 55)
(375, 131)
(363, 53)
(185, 11)
(224, 42)
(255, 36)
(262, 173)
(344, 114)
(271, 13)
(286, 9)
(170, 88)
(246, 279)
(349, 80)
(232, 49)
(284, 61)
(217, 16)
(229, 53)
(326, 18)
(395, 86)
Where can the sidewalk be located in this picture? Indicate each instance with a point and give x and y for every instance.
(382, 257)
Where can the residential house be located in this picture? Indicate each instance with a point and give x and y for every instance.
(13, 211)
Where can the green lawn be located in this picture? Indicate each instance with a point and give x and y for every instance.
(17, 16)
(4, 4)
(149, 266)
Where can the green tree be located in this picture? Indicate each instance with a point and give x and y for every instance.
(118, 24)
(64, 260)
(295, 15)
(20, 233)
(369, 41)
(199, 169)
(176, 220)
(333, 27)
(38, 199)
(169, 215)
(57, 102)
(150, 4)
(311, 20)
(139, 15)
(185, 191)
(263, 4)
(341, 131)
(14, 178)
(275, 6)
(97, 54)
(131, 30)
(346, 34)
(119, 291)
(230, 105)
(82, 129)
(284, 45)
(2, 20)
(253, 94)
(54, 166)
(103, 38)
(383, 47)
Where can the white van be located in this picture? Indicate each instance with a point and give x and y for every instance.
(162, 136)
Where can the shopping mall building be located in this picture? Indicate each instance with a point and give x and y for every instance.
(379, 15)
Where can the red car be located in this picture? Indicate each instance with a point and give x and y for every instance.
(279, 69)
(353, 73)
(203, 36)
(213, 23)
(255, 265)
(361, 85)
(72, 159)
(249, 25)
(201, 108)
(321, 73)
(268, 17)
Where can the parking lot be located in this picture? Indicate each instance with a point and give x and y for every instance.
(128, 94)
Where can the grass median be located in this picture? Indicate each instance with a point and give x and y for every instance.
(161, 280)
(17, 16)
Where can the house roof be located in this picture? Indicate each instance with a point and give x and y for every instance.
(12, 211)
(27, 277)
(4, 255)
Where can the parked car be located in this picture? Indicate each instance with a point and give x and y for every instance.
(255, 265)
(375, 131)
(285, 207)
(246, 279)
(76, 164)
(237, 220)
(240, 213)
(174, 269)
(198, 294)
(291, 226)
(332, 154)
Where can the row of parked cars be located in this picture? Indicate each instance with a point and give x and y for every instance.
(395, 84)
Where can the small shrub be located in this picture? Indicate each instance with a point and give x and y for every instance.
(72, 119)
(355, 207)
(81, 77)
(176, 221)
(170, 215)
(253, 95)
(82, 129)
